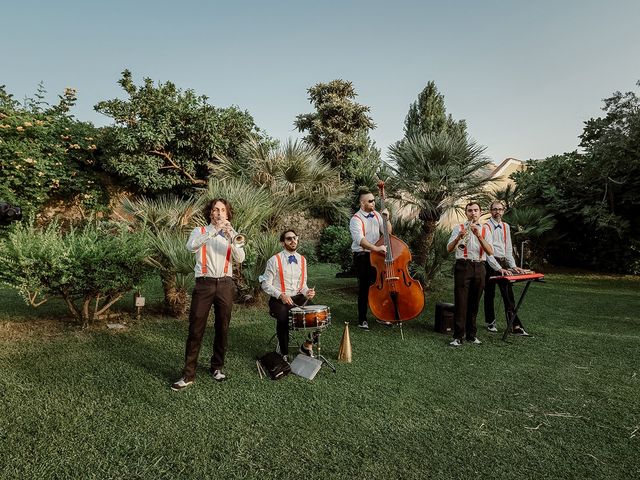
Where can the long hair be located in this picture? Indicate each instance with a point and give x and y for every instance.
(209, 206)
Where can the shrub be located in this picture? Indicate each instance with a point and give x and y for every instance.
(335, 247)
(90, 268)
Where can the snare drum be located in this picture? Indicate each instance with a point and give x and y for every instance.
(310, 316)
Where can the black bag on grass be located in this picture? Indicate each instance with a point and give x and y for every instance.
(274, 365)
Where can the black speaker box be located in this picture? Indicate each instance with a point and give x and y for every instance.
(444, 317)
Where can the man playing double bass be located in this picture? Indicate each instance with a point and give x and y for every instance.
(366, 228)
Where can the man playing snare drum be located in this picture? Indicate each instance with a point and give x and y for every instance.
(285, 281)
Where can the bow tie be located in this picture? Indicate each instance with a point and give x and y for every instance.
(293, 259)
(498, 226)
(221, 233)
(371, 215)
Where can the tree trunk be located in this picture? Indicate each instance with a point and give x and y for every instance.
(175, 298)
(422, 251)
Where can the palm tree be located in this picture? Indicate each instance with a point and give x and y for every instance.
(168, 221)
(433, 172)
(294, 175)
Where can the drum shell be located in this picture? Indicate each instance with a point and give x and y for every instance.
(309, 317)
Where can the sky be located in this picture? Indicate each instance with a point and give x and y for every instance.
(524, 75)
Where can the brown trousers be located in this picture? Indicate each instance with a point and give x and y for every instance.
(468, 278)
(220, 293)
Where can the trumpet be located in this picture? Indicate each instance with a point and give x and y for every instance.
(238, 239)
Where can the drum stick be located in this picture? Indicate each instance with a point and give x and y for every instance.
(306, 300)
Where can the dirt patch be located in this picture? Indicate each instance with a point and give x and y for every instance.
(39, 328)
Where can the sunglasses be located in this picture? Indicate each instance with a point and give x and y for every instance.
(289, 239)
(371, 201)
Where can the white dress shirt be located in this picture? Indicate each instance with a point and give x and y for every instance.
(371, 226)
(500, 238)
(214, 246)
(474, 247)
(292, 273)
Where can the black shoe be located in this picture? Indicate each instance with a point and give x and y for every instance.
(306, 349)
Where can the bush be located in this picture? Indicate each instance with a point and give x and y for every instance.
(90, 268)
(308, 249)
(47, 155)
(335, 247)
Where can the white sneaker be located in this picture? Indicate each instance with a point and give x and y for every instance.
(455, 343)
(181, 384)
(364, 325)
(491, 327)
(520, 331)
(475, 341)
(218, 376)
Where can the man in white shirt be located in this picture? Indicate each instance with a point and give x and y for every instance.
(366, 228)
(470, 245)
(215, 251)
(500, 263)
(285, 281)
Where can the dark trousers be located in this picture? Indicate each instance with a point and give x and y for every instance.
(366, 277)
(280, 311)
(506, 290)
(468, 281)
(220, 293)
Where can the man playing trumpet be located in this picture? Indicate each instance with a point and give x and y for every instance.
(216, 247)
(285, 281)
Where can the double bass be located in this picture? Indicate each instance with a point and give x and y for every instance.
(395, 297)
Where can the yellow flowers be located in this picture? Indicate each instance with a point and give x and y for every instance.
(5, 126)
(28, 124)
(30, 161)
(20, 128)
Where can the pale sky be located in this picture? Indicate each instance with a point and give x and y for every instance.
(524, 75)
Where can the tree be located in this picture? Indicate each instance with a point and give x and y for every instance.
(339, 126)
(165, 139)
(295, 175)
(594, 195)
(46, 154)
(432, 173)
(427, 115)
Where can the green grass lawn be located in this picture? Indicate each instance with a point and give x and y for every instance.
(561, 404)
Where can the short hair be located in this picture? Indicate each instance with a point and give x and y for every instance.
(284, 232)
(472, 203)
(497, 201)
(363, 191)
(210, 204)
